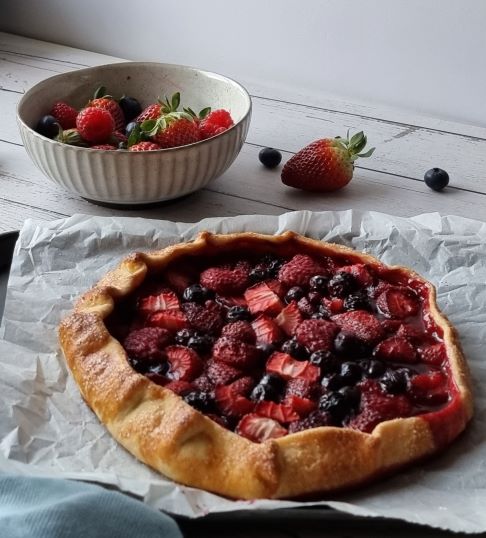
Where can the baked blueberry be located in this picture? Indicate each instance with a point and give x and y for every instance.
(294, 294)
(318, 283)
(200, 400)
(182, 336)
(298, 351)
(197, 294)
(238, 313)
(342, 284)
(202, 343)
(394, 381)
(336, 404)
(327, 362)
(357, 301)
(350, 346)
(351, 372)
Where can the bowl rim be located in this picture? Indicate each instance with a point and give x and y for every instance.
(113, 65)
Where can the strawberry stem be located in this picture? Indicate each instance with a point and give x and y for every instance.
(354, 145)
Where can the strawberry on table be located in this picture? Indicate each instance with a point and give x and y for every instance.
(65, 114)
(325, 165)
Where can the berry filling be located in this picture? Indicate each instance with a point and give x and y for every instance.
(267, 345)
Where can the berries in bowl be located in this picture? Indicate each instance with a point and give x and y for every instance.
(134, 145)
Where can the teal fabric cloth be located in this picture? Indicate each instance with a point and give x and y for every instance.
(51, 508)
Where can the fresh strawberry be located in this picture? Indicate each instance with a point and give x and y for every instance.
(429, 388)
(106, 102)
(216, 122)
(173, 320)
(65, 114)
(235, 353)
(175, 130)
(152, 112)
(144, 146)
(147, 343)
(434, 355)
(262, 300)
(317, 334)
(325, 165)
(287, 367)
(299, 270)
(95, 125)
(220, 373)
(361, 324)
(226, 280)
(165, 300)
(289, 318)
(410, 332)
(240, 330)
(266, 330)
(302, 388)
(259, 429)
(398, 302)
(396, 348)
(207, 318)
(179, 387)
(230, 403)
(280, 412)
(185, 364)
(334, 305)
(302, 406)
(360, 273)
(103, 146)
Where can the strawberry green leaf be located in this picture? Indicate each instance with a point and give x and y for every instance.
(135, 136)
(176, 101)
(369, 153)
(100, 92)
(189, 111)
(204, 112)
(358, 146)
(148, 125)
(357, 138)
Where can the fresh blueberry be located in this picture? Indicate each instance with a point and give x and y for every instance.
(48, 126)
(131, 108)
(394, 381)
(328, 363)
(350, 346)
(202, 343)
(294, 294)
(318, 283)
(298, 351)
(238, 313)
(436, 179)
(122, 145)
(342, 284)
(357, 301)
(351, 372)
(270, 157)
(196, 294)
(182, 336)
(200, 400)
(130, 126)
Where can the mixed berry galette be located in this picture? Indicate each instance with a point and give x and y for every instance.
(268, 366)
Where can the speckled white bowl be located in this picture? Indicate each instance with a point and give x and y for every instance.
(123, 177)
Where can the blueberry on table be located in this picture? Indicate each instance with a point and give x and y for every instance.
(270, 157)
(436, 179)
(48, 126)
(131, 108)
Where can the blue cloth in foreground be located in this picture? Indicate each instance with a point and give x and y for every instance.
(51, 508)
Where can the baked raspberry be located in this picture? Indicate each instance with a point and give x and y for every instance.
(240, 330)
(299, 270)
(243, 385)
(179, 387)
(185, 364)
(203, 383)
(302, 388)
(147, 343)
(226, 280)
(396, 348)
(314, 420)
(360, 272)
(207, 318)
(220, 373)
(398, 302)
(361, 324)
(317, 334)
(238, 354)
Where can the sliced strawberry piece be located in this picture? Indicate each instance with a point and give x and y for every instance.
(396, 348)
(361, 324)
(180, 387)
(299, 270)
(266, 330)
(302, 406)
(398, 302)
(235, 353)
(317, 334)
(232, 300)
(280, 412)
(411, 332)
(226, 280)
(166, 300)
(434, 355)
(276, 286)
(259, 429)
(179, 279)
(429, 389)
(220, 373)
(287, 368)
(207, 318)
(360, 273)
(391, 326)
(232, 404)
(262, 300)
(172, 320)
(185, 364)
(290, 318)
(428, 381)
(240, 330)
(334, 305)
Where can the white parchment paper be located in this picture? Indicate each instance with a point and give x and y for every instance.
(47, 430)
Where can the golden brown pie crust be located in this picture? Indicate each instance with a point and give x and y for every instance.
(161, 430)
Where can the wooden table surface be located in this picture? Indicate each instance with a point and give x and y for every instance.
(391, 181)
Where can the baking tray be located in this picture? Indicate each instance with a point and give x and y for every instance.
(295, 523)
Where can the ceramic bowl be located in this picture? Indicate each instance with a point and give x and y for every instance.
(124, 177)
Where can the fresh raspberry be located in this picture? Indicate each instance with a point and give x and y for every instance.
(147, 343)
(95, 125)
(214, 123)
(396, 348)
(185, 364)
(111, 106)
(180, 387)
(299, 270)
(360, 273)
(179, 132)
(207, 318)
(144, 146)
(317, 334)
(259, 429)
(230, 403)
(262, 299)
(434, 355)
(286, 367)
(398, 302)
(314, 420)
(173, 320)
(280, 412)
(165, 300)
(302, 388)
(240, 330)
(289, 318)
(302, 406)
(361, 324)
(266, 330)
(377, 406)
(220, 373)
(152, 112)
(226, 280)
(235, 353)
(65, 115)
(103, 146)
